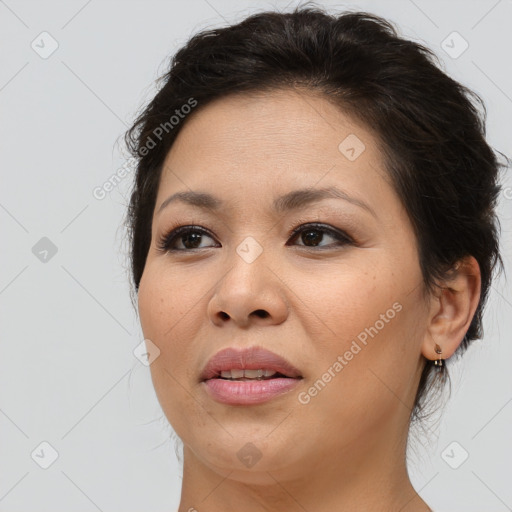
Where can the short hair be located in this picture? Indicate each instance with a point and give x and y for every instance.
(429, 129)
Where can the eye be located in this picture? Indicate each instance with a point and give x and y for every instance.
(312, 234)
(191, 237)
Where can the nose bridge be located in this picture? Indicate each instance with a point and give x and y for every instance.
(249, 287)
(248, 268)
(250, 249)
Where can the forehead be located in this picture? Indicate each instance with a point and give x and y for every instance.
(283, 121)
(249, 146)
(272, 131)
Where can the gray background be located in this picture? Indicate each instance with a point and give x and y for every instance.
(68, 374)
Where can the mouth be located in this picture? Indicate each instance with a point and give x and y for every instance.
(248, 363)
(248, 376)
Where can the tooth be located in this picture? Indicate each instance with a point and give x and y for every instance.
(248, 374)
(253, 374)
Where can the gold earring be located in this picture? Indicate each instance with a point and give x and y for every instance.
(438, 362)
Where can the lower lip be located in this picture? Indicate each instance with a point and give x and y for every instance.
(234, 392)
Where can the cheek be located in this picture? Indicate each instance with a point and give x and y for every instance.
(371, 315)
(159, 312)
(379, 343)
(163, 319)
(342, 303)
(163, 300)
(171, 314)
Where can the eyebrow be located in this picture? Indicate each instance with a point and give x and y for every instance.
(290, 201)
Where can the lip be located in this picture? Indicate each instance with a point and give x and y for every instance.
(251, 358)
(248, 392)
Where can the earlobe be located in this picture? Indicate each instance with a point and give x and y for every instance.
(452, 310)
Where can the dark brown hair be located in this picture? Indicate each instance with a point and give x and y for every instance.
(430, 130)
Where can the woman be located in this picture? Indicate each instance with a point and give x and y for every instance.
(313, 235)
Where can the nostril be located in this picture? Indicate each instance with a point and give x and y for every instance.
(261, 313)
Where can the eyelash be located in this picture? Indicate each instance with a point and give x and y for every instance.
(165, 242)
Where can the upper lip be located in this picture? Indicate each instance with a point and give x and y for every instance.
(252, 358)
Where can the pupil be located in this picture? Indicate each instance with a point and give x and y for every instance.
(307, 238)
(194, 238)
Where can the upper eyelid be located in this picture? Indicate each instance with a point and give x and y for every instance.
(290, 228)
(321, 226)
(345, 220)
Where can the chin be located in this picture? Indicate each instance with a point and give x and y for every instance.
(249, 458)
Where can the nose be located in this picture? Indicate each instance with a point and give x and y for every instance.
(248, 294)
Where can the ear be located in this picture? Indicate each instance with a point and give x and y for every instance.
(452, 308)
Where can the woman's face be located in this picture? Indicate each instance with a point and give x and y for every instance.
(346, 311)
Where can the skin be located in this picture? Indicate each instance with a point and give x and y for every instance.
(345, 449)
